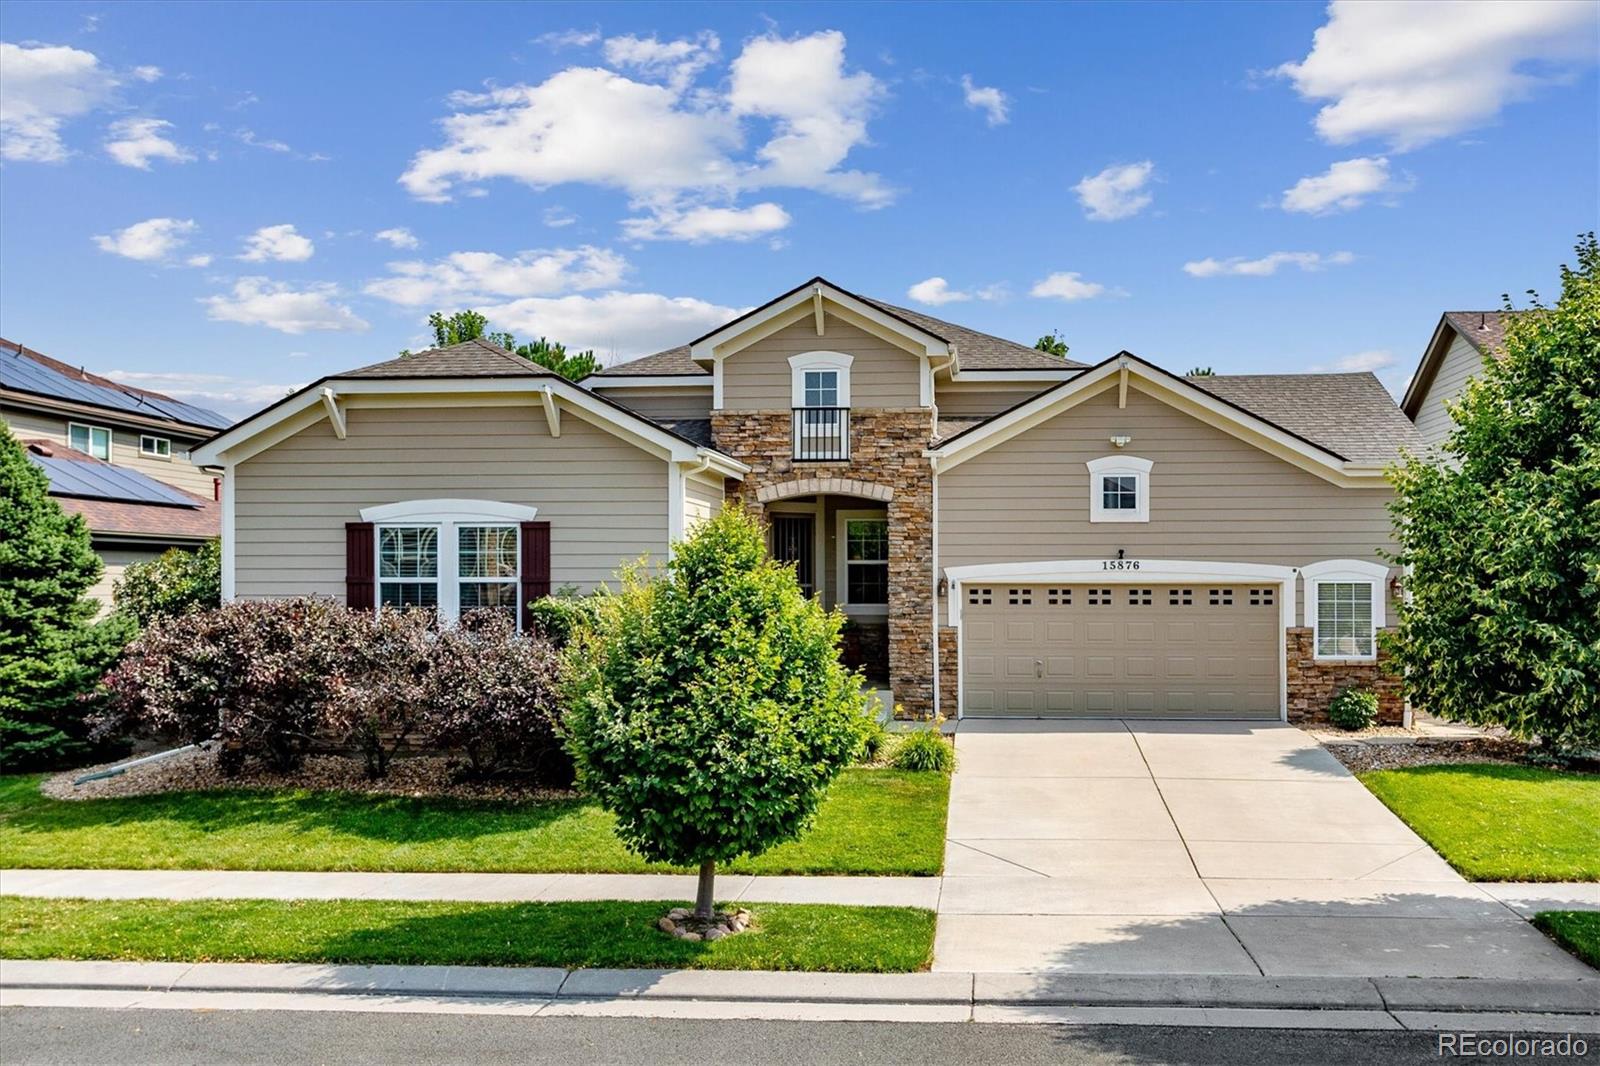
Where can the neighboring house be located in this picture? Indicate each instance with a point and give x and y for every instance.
(118, 455)
(1010, 533)
(1461, 342)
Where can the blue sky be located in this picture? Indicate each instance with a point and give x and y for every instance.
(222, 201)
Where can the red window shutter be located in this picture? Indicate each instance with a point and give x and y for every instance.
(535, 566)
(358, 565)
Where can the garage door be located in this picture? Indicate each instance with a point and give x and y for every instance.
(1157, 651)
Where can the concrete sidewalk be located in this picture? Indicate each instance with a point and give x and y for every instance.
(481, 887)
(1339, 1003)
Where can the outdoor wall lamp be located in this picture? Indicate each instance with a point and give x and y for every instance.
(1122, 440)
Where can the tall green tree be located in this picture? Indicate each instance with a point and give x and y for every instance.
(708, 709)
(470, 325)
(1501, 534)
(1053, 343)
(52, 651)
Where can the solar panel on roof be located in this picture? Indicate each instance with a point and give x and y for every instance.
(102, 481)
(19, 372)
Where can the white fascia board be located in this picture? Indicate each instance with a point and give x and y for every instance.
(722, 464)
(1010, 377)
(228, 546)
(647, 381)
(705, 349)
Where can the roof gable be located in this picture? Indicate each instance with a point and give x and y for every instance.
(473, 358)
(1484, 330)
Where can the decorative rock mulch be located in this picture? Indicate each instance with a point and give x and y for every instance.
(1360, 757)
(418, 776)
(681, 923)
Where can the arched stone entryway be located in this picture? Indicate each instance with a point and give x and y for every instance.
(819, 486)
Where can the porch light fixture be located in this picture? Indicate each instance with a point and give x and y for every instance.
(1122, 440)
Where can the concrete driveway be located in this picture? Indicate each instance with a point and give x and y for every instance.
(1201, 848)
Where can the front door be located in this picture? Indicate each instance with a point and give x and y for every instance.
(793, 542)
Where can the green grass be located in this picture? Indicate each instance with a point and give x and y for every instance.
(782, 936)
(1577, 931)
(872, 822)
(1500, 823)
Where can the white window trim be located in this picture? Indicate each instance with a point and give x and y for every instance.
(841, 564)
(153, 453)
(799, 364)
(448, 516)
(1123, 466)
(1346, 572)
(91, 427)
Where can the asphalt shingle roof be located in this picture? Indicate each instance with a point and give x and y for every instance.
(1484, 330)
(1351, 415)
(476, 358)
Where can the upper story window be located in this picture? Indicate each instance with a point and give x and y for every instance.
(1119, 489)
(821, 388)
(449, 555)
(820, 396)
(1345, 601)
(155, 447)
(95, 440)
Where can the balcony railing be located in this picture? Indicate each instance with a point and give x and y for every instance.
(821, 433)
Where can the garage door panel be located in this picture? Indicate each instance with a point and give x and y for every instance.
(1182, 652)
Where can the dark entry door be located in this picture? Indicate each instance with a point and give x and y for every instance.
(792, 542)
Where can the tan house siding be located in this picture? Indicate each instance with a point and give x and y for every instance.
(663, 403)
(117, 560)
(1212, 497)
(701, 499)
(177, 471)
(606, 499)
(758, 378)
(956, 402)
(1461, 361)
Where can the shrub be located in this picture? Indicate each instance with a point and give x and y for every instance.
(52, 651)
(493, 695)
(1353, 708)
(176, 582)
(873, 737)
(558, 617)
(256, 675)
(385, 689)
(708, 709)
(925, 751)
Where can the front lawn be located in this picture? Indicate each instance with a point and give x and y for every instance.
(872, 822)
(1577, 931)
(571, 935)
(1500, 823)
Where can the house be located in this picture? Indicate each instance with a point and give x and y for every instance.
(1461, 343)
(118, 455)
(1010, 533)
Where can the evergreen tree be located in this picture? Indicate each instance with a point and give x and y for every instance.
(52, 651)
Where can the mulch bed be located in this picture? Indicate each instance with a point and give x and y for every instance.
(420, 776)
(1359, 757)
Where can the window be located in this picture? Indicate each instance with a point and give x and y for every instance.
(1119, 489)
(821, 388)
(95, 440)
(980, 597)
(450, 555)
(1139, 597)
(820, 379)
(155, 447)
(1019, 597)
(862, 545)
(1345, 602)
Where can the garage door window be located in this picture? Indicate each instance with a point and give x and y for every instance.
(1344, 620)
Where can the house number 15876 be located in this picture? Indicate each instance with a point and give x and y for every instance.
(1119, 564)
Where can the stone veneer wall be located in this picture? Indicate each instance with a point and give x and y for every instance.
(949, 672)
(1312, 684)
(886, 446)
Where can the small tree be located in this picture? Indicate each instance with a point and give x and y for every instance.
(52, 651)
(1053, 343)
(175, 582)
(708, 709)
(470, 325)
(1502, 539)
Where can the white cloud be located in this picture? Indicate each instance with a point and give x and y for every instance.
(231, 396)
(42, 86)
(559, 39)
(248, 136)
(398, 237)
(1067, 285)
(676, 62)
(276, 305)
(1119, 191)
(701, 225)
(992, 102)
(147, 73)
(666, 145)
(1414, 72)
(279, 243)
(936, 292)
(617, 325)
(1344, 187)
(203, 260)
(149, 241)
(1266, 266)
(134, 142)
(1361, 362)
(556, 217)
(465, 278)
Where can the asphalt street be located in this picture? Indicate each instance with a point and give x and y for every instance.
(132, 1037)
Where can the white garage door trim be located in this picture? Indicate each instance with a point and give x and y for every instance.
(1122, 572)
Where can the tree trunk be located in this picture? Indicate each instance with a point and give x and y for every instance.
(704, 902)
